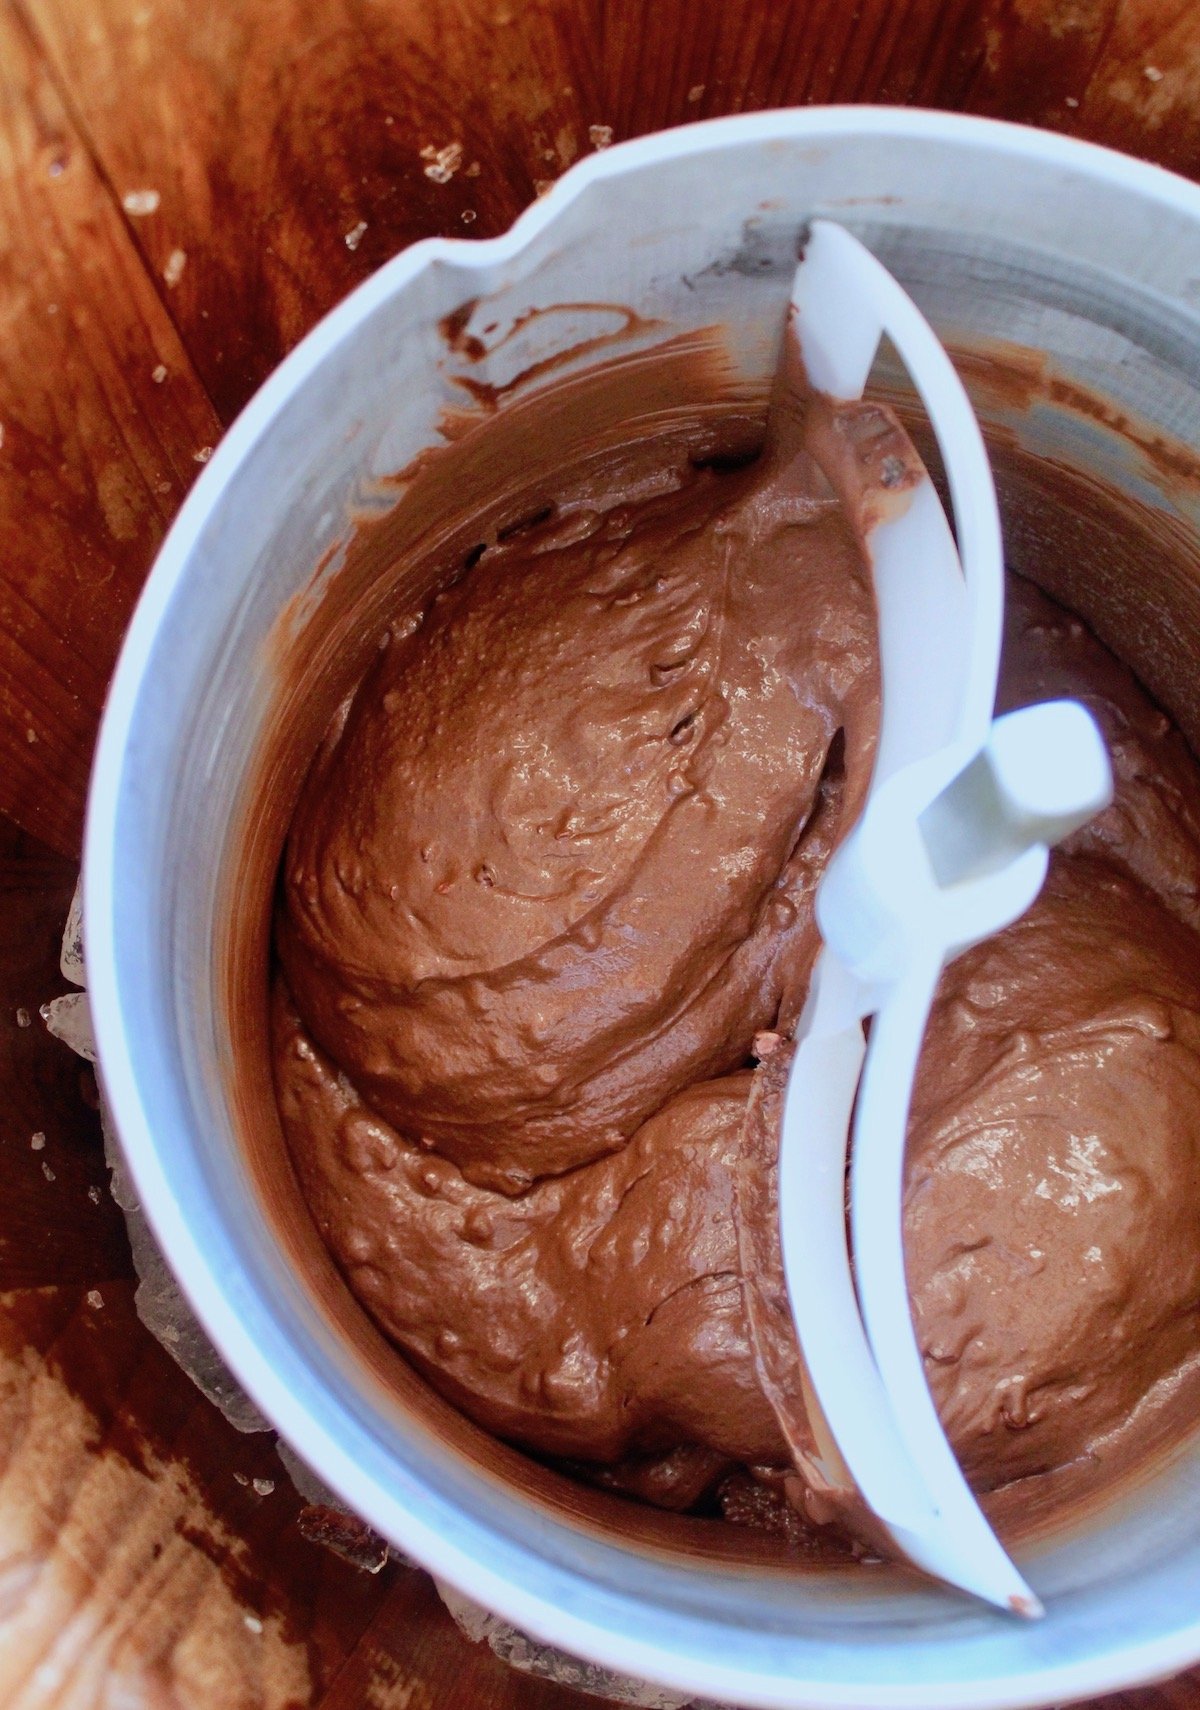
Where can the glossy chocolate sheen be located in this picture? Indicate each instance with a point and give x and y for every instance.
(554, 866)
(549, 875)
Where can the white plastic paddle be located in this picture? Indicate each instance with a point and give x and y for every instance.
(952, 845)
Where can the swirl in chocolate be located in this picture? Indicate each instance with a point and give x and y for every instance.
(551, 874)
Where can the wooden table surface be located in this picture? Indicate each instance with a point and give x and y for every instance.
(184, 189)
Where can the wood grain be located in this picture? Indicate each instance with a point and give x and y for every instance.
(133, 1542)
(95, 456)
(1144, 94)
(140, 1564)
(412, 1657)
(132, 1530)
(272, 132)
(57, 1221)
(279, 152)
(184, 190)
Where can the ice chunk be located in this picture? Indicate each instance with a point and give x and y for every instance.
(70, 1020)
(530, 1656)
(71, 959)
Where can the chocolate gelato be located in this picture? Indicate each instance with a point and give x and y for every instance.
(548, 884)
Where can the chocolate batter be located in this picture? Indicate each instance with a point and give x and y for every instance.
(550, 877)
(556, 866)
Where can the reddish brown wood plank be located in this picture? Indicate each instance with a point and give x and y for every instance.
(58, 1223)
(270, 134)
(1144, 94)
(273, 133)
(106, 1448)
(1180, 1694)
(263, 138)
(139, 1558)
(414, 1658)
(95, 455)
(137, 1554)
